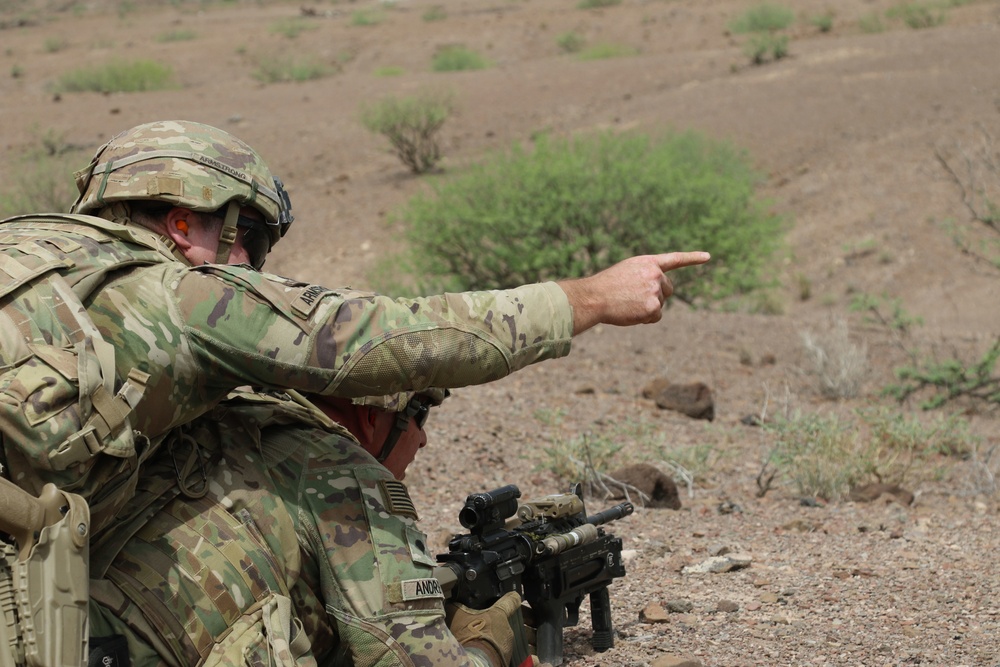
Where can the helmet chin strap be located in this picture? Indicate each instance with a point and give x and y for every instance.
(227, 235)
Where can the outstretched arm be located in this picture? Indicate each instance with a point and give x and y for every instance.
(632, 291)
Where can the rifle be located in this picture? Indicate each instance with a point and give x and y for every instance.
(44, 588)
(551, 552)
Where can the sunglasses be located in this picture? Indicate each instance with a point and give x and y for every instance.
(416, 409)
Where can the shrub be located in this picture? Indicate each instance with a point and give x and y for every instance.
(823, 22)
(594, 4)
(55, 44)
(871, 23)
(821, 456)
(411, 125)
(604, 51)
(389, 70)
(276, 69)
(762, 18)
(179, 35)
(42, 181)
(570, 42)
(918, 15)
(117, 77)
(292, 28)
(950, 379)
(435, 13)
(456, 59)
(572, 207)
(840, 365)
(366, 18)
(765, 47)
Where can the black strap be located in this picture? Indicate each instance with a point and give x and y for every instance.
(109, 652)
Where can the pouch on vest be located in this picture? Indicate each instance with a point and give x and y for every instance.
(62, 421)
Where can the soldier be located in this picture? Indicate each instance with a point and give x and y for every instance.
(122, 322)
(347, 561)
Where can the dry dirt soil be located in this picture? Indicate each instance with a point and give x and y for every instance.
(853, 131)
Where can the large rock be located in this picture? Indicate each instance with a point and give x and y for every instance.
(657, 485)
(694, 400)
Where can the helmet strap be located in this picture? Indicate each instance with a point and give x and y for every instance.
(227, 235)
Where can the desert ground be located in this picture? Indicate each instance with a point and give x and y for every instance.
(862, 135)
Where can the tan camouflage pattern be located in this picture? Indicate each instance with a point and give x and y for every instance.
(347, 553)
(199, 332)
(183, 163)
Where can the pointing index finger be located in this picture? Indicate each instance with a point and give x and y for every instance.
(677, 260)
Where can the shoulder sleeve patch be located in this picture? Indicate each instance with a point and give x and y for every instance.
(397, 498)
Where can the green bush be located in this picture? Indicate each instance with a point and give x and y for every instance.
(766, 47)
(292, 28)
(435, 13)
(457, 59)
(179, 35)
(593, 4)
(117, 77)
(918, 15)
(823, 22)
(275, 69)
(571, 208)
(762, 18)
(364, 18)
(605, 51)
(871, 23)
(42, 178)
(570, 42)
(411, 125)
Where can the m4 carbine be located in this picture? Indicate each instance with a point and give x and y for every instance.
(549, 551)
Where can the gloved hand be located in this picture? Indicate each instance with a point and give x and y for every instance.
(486, 629)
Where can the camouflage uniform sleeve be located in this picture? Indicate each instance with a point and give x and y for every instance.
(265, 330)
(368, 561)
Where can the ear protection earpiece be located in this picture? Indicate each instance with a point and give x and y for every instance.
(182, 225)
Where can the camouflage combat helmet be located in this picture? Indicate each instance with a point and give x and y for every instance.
(190, 165)
(407, 405)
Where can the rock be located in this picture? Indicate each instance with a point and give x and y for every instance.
(656, 484)
(653, 613)
(679, 606)
(727, 606)
(718, 564)
(870, 492)
(671, 660)
(769, 598)
(694, 400)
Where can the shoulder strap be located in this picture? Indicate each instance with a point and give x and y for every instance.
(130, 233)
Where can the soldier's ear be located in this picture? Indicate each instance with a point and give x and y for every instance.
(176, 227)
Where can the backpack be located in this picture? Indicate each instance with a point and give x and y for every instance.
(64, 410)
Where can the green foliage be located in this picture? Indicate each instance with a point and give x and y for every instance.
(276, 69)
(950, 379)
(822, 22)
(457, 59)
(389, 70)
(594, 4)
(885, 311)
(55, 44)
(364, 18)
(765, 47)
(825, 456)
(16, 71)
(569, 208)
(117, 77)
(41, 180)
(178, 35)
(411, 125)
(605, 51)
(762, 18)
(918, 15)
(821, 456)
(435, 13)
(292, 28)
(570, 42)
(570, 459)
(871, 23)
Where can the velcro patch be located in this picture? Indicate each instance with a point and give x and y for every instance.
(397, 498)
(419, 589)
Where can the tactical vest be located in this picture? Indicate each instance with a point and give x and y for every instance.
(65, 412)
